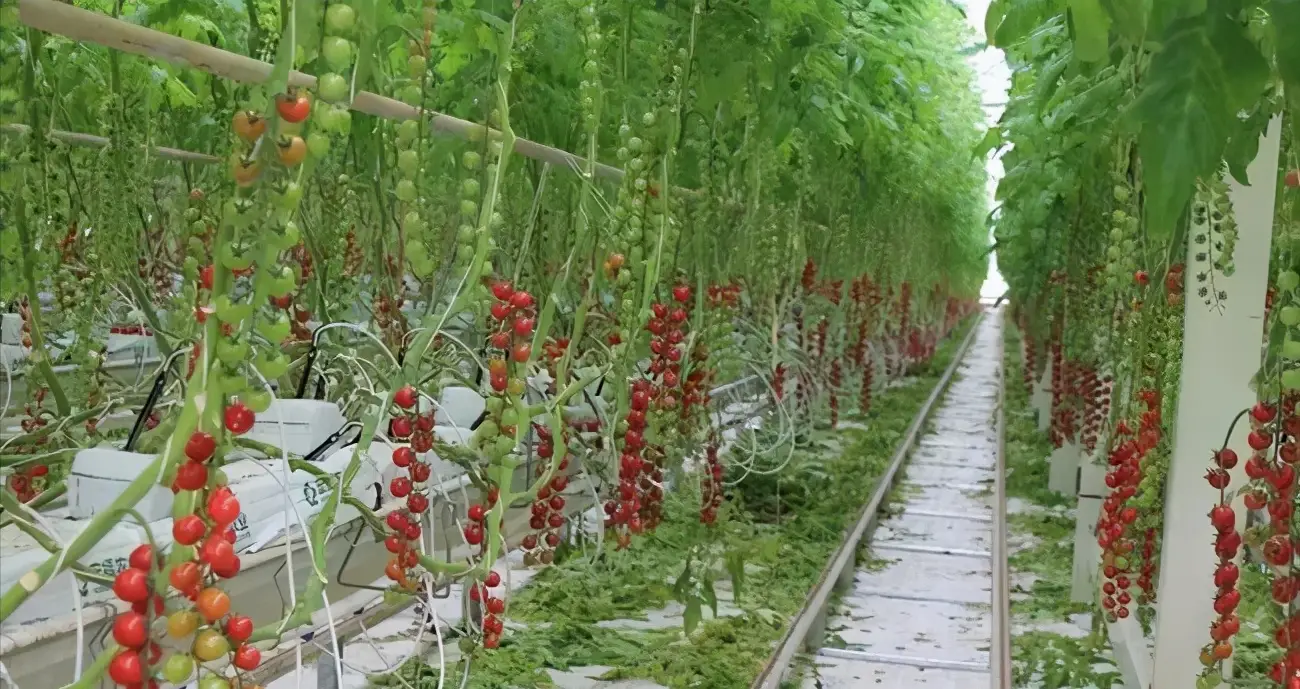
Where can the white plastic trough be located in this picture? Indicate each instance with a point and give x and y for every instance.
(42, 633)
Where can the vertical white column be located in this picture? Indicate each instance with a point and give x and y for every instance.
(1221, 351)
(1087, 554)
(1063, 474)
(1041, 399)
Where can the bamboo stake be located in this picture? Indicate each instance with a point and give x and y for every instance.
(72, 22)
(91, 140)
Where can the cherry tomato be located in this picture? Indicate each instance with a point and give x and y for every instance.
(210, 645)
(223, 506)
(132, 585)
(130, 630)
(126, 668)
(142, 607)
(184, 576)
(191, 476)
(394, 570)
(292, 108)
(244, 172)
(226, 569)
(293, 151)
(239, 628)
(201, 446)
(247, 657)
(213, 604)
(405, 397)
(182, 623)
(248, 125)
(189, 529)
(178, 668)
(142, 557)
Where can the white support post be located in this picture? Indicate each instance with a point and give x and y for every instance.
(1063, 474)
(1041, 398)
(1221, 351)
(1087, 554)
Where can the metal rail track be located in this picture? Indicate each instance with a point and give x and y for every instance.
(807, 630)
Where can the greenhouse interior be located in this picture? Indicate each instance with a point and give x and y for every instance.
(649, 344)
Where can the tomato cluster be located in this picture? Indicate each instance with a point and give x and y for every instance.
(493, 608)
(28, 483)
(1115, 524)
(865, 297)
(710, 485)
(208, 628)
(403, 542)
(548, 508)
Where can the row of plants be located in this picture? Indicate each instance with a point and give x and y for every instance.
(796, 203)
(1043, 525)
(1125, 125)
(767, 550)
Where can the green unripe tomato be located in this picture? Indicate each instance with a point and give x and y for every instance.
(465, 234)
(411, 95)
(1288, 280)
(509, 417)
(471, 160)
(339, 18)
(468, 208)
(257, 400)
(178, 668)
(469, 188)
(648, 119)
(271, 367)
(412, 221)
(406, 191)
(292, 235)
(416, 66)
(1291, 379)
(213, 681)
(504, 445)
(275, 330)
(337, 53)
(408, 162)
(407, 131)
(332, 88)
(318, 145)
(1289, 315)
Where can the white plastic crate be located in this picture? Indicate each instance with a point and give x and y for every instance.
(307, 423)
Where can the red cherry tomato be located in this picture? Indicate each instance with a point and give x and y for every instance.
(126, 668)
(247, 657)
(131, 585)
(131, 630)
(292, 109)
(142, 557)
(188, 529)
(239, 628)
(191, 476)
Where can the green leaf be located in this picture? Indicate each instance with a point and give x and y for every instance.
(993, 17)
(1091, 30)
(1188, 109)
(710, 596)
(683, 582)
(736, 571)
(1129, 18)
(992, 139)
(691, 618)
(1286, 25)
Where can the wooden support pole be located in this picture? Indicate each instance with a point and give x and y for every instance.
(93, 141)
(72, 22)
(1221, 352)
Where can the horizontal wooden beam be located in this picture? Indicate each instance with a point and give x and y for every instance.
(93, 141)
(72, 22)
